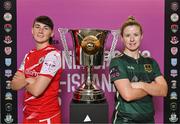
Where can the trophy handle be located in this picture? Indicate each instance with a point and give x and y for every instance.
(115, 34)
(62, 32)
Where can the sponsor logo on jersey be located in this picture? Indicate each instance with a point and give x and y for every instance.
(32, 73)
(7, 16)
(130, 67)
(148, 67)
(174, 17)
(174, 50)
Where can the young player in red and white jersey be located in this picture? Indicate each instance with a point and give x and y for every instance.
(40, 74)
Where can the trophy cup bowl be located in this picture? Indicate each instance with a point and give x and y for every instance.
(90, 45)
(89, 49)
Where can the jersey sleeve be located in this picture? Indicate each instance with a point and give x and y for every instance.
(21, 68)
(117, 70)
(51, 64)
(156, 69)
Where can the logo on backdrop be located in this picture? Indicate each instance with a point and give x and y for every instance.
(8, 107)
(173, 61)
(8, 84)
(173, 106)
(7, 5)
(173, 117)
(174, 72)
(8, 119)
(174, 50)
(174, 17)
(8, 96)
(173, 95)
(8, 50)
(7, 39)
(8, 73)
(7, 16)
(174, 6)
(8, 61)
(7, 27)
(174, 40)
(174, 28)
(173, 84)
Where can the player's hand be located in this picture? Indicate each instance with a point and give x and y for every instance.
(18, 81)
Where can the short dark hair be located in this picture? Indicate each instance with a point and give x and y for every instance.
(129, 22)
(47, 21)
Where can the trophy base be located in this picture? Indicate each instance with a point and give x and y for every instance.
(88, 94)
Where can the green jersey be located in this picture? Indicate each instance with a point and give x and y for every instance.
(141, 69)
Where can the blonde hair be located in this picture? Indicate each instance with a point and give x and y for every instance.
(129, 22)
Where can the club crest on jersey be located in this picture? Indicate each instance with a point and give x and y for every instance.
(41, 60)
(148, 67)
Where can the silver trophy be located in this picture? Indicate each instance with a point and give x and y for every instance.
(89, 50)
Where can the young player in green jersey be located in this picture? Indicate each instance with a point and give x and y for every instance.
(136, 79)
